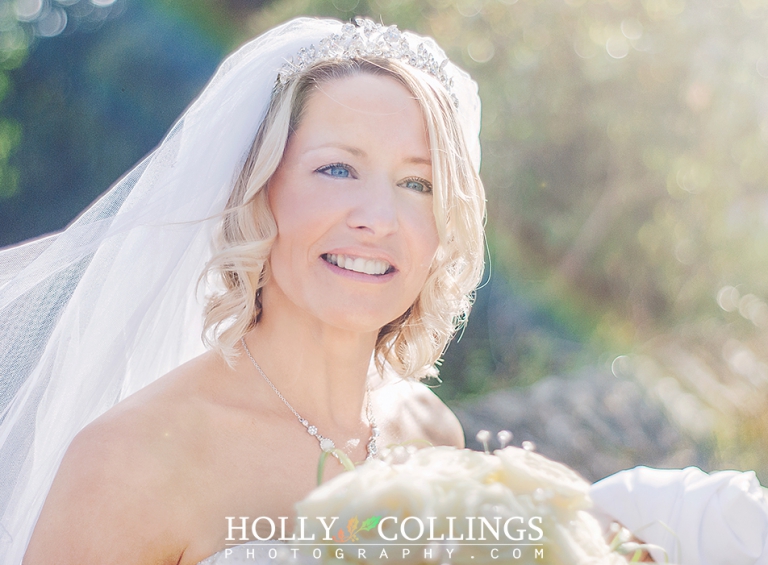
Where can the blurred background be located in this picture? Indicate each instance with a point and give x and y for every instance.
(623, 319)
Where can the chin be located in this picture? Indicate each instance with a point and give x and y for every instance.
(359, 325)
(361, 322)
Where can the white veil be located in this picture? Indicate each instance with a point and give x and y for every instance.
(94, 313)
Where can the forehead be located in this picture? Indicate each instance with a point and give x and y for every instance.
(365, 109)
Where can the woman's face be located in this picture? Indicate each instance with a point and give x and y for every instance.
(352, 199)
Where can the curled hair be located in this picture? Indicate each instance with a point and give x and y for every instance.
(412, 343)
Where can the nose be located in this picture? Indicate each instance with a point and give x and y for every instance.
(375, 209)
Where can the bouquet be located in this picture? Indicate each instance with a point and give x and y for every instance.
(447, 505)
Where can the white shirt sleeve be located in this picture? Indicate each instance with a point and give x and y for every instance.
(697, 518)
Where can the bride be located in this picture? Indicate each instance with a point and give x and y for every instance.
(335, 169)
(317, 216)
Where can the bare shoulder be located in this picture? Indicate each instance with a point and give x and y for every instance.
(118, 494)
(418, 413)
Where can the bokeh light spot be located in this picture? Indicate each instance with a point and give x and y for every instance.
(524, 55)
(584, 48)
(468, 8)
(12, 40)
(52, 24)
(341, 5)
(762, 66)
(28, 10)
(481, 50)
(693, 178)
(617, 47)
(631, 28)
(754, 309)
(621, 367)
(685, 251)
(728, 298)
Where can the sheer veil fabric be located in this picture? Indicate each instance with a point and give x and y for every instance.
(94, 313)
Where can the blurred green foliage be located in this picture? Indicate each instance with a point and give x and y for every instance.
(13, 51)
(625, 147)
(92, 101)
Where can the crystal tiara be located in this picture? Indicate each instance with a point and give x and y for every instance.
(365, 38)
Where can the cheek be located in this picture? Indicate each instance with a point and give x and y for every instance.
(289, 226)
(429, 250)
(294, 214)
(425, 240)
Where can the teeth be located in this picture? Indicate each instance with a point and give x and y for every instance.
(358, 264)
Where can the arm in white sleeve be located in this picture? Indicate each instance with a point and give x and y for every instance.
(698, 518)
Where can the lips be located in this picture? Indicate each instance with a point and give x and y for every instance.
(359, 264)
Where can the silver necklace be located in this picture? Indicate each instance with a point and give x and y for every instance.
(326, 444)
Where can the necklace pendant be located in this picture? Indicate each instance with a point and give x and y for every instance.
(326, 444)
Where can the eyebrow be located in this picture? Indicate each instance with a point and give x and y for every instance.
(357, 152)
(419, 161)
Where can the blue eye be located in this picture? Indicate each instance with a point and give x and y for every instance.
(338, 170)
(417, 184)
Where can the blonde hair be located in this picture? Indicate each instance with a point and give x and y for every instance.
(413, 343)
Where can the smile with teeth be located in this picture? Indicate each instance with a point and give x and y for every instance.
(358, 264)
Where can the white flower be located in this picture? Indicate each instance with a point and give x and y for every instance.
(541, 502)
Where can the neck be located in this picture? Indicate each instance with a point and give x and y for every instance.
(320, 370)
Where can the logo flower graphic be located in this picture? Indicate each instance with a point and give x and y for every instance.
(354, 527)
